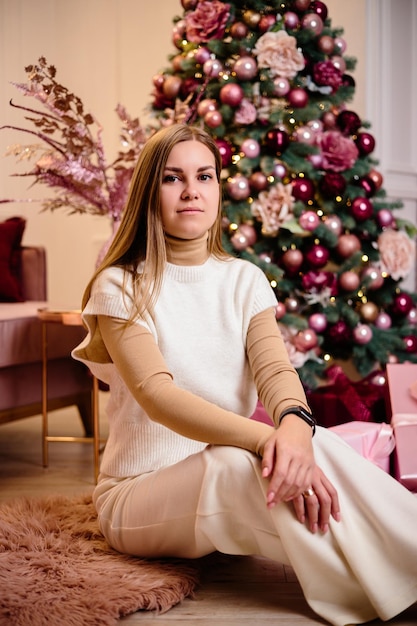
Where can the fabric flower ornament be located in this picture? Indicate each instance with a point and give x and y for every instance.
(208, 21)
(273, 208)
(246, 113)
(339, 153)
(277, 51)
(297, 358)
(397, 253)
(325, 73)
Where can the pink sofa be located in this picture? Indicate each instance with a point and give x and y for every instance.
(69, 382)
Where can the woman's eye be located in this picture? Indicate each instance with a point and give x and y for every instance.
(169, 178)
(206, 177)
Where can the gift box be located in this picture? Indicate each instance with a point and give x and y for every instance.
(343, 400)
(402, 406)
(373, 441)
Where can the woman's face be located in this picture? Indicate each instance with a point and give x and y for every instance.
(190, 191)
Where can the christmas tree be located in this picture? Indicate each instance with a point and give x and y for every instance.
(304, 199)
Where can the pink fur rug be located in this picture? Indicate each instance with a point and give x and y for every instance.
(56, 568)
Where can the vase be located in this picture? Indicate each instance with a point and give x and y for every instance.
(115, 223)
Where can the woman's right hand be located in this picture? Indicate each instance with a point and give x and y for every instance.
(317, 504)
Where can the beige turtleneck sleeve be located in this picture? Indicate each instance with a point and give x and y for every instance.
(151, 384)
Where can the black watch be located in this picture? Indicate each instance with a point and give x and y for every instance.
(302, 413)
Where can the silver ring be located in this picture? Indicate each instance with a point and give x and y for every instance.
(308, 492)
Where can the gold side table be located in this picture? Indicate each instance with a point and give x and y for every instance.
(66, 318)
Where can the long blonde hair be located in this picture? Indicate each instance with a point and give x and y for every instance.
(140, 236)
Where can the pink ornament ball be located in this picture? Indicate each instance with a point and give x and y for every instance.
(377, 178)
(250, 148)
(291, 20)
(326, 44)
(305, 134)
(292, 305)
(238, 30)
(339, 63)
(305, 340)
(317, 255)
(365, 143)
(347, 245)
(245, 68)
(293, 259)
(202, 55)
(172, 86)
(258, 181)
(385, 218)
(309, 220)
(298, 97)
(334, 224)
(362, 334)
(410, 343)
(281, 86)
(231, 94)
(277, 140)
(213, 119)
(402, 304)
(349, 281)
(280, 170)
(412, 317)
(238, 187)
(362, 209)
(312, 22)
(318, 322)
(212, 67)
(248, 231)
(372, 278)
(226, 151)
(303, 189)
(206, 105)
(383, 321)
(280, 310)
(329, 120)
(340, 45)
(188, 5)
(239, 241)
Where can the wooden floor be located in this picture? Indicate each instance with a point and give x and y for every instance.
(235, 591)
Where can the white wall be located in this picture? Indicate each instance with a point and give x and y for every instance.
(105, 51)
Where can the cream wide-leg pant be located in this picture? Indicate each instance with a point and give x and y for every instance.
(364, 567)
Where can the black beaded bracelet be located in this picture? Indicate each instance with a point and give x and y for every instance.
(302, 413)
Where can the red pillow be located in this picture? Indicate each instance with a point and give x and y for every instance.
(11, 233)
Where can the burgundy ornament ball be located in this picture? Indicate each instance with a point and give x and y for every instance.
(298, 97)
(303, 189)
(349, 122)
(226, 151)
(238, 187)
(347, 245)
(293, 259)
(245, 68)
(332, 184)
(231, 94)
(410, 343)
(318, 322)
(362, 334)
(402, 304)
(365, 143)
(291, 304)
(302, 5)
(339, 332)
(188, 5)
(320, 8)
(367, 185)
(317, 255)
(266, 22)
(313, 22)
(361, 209)
(376, 177)
(309, 220)
(258, 181)
(277, 140)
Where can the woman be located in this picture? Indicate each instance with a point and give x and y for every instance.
(186, 337)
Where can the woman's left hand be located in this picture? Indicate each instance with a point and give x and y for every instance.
(317, 503)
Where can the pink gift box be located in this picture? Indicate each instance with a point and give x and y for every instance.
(374, 441)
(402, 405)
